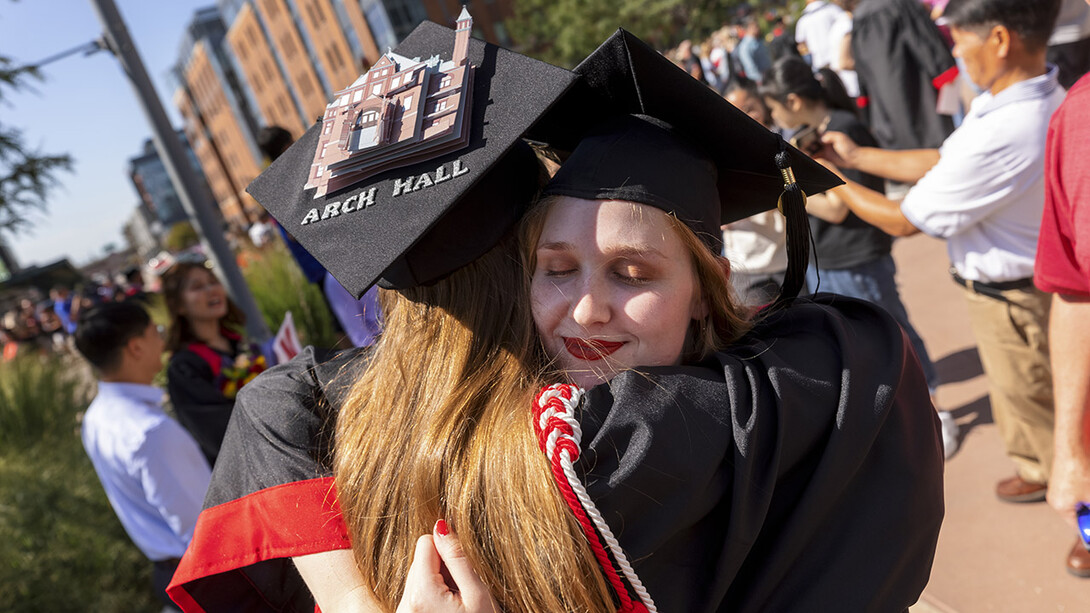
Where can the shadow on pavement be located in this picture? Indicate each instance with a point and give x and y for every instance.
(959, 366)
(973, 414)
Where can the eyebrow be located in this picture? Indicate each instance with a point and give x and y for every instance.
(645, 251)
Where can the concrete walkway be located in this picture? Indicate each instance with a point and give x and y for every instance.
(992, 556)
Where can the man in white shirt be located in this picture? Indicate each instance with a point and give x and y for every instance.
(154, 473)
(983, 192)
(813, 32)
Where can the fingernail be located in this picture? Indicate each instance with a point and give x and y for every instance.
(441, 528)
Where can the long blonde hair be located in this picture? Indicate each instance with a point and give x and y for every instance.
(439, 427)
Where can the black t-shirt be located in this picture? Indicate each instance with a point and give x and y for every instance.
(853, 241)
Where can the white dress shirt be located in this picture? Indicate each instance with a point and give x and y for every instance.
(815, 30)
(987, 192)
(152, 470)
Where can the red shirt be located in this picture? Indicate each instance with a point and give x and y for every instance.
(1063, 248)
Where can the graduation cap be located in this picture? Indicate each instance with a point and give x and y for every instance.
(659, 137)
(440, 174)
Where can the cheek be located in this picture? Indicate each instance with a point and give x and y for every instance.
(661, 321)
(546, 305)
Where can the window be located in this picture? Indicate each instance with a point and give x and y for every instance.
(356, 97)
(408, 104)
(328, 129)
(396, 84)
(445, 82)
(442, 105)
(376, 90)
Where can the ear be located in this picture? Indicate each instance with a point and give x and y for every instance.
(793, 103)
(1001, 37)
(135, 348)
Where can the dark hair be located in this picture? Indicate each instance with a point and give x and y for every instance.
(1032, 20)
(742, 83)
(792, 75)
(106, 329)
(273, 140)
(749, 86)
(180, 332)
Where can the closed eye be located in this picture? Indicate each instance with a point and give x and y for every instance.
(559, 273)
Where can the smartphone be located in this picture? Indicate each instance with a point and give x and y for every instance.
(808, 140)
(1082, 517)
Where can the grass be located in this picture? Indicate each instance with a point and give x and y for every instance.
(279, 286)
(62, 547)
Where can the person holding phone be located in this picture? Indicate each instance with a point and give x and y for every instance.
(853, 257)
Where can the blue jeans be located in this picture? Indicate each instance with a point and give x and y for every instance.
(875, 282)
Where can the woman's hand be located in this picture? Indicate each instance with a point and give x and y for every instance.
(441, 580)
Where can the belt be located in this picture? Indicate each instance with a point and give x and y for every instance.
(992, 289)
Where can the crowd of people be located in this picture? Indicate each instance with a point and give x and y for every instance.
(47, 324)
(642, 306)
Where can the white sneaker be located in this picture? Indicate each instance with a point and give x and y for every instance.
(949, 434)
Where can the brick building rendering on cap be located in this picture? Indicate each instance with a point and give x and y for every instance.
(399, 112)
(248, 64)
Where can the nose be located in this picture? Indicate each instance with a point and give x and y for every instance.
(591, 304)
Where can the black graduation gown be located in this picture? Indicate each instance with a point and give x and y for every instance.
(195, 387)
(902, 61)
(799, 470)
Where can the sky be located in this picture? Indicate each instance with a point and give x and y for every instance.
(85, 107)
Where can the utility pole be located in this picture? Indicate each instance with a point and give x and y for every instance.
(185, 180)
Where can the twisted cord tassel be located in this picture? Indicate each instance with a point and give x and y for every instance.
(559, 435)
(793, 207)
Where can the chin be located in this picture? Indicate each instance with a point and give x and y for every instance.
(587, 380)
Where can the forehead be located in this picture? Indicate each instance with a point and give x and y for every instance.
(582, 222)
(197, 275)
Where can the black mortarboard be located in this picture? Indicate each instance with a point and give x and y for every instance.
(663, 159)
(448, 210)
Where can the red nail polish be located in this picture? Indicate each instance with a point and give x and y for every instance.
(441, 528)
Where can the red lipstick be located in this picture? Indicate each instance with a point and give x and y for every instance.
(589, 349)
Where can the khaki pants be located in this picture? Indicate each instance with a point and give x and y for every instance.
(1012, 338)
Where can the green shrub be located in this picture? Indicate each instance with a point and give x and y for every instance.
(182, 235)
(279, 286)
(62, 547)
(39, 399)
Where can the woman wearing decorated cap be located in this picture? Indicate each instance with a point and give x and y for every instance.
(716, 469)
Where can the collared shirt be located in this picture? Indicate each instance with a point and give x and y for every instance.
(813, 30)
(987, 192)
(152, 470)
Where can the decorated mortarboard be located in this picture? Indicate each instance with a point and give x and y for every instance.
(418, 167)
(657, 136)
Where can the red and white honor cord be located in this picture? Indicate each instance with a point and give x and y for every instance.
(559, 435)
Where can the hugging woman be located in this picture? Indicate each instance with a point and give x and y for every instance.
(788, 461)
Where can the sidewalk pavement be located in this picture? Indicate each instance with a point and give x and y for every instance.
(992, 556)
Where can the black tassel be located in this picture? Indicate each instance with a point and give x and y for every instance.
(792, 205)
